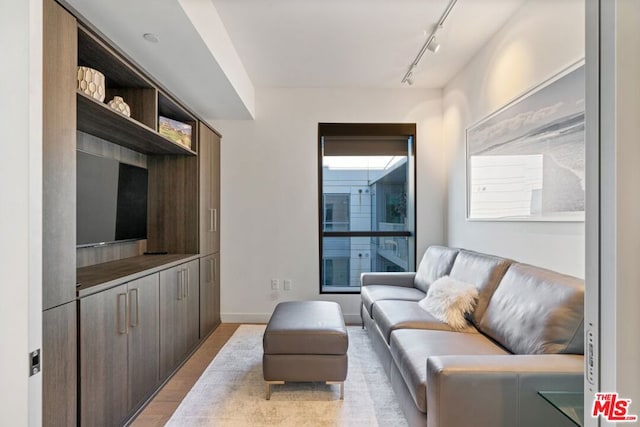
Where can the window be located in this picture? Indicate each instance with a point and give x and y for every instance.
(367, 204)
(336, 211)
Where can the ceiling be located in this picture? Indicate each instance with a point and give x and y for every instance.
(212, 54)
(356, 43)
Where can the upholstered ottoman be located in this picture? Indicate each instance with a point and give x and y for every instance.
(305, 341)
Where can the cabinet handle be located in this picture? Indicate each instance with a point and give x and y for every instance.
(187, 271)
(209, 270)
(213, 269)
(184, 283)
(122, 326)
(137, 308)
(215, 220)
(211, 220)
(180, 285)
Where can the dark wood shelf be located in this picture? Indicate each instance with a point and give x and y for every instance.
(100, 120)
(126, 269)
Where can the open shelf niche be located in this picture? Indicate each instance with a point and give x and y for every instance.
(140, 131)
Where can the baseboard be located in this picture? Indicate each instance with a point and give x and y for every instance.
(245, 317)
(350, 319)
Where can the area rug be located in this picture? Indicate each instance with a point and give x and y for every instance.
(231, 391)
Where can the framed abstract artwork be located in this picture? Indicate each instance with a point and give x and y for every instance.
(526, 161)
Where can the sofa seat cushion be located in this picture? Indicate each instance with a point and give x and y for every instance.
(374, 293)
(536, 311)
(390, 315)
(410, 349)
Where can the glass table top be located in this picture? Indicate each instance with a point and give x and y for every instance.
(571, 404)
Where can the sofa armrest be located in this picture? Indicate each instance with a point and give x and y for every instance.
(499, 390)
(404, 279)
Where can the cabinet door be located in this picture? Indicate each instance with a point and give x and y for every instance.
(207, 214)
(215, 185)
(216, 290)
(173, 341)
(103, 358)
(144, 337)
(192, 303)
(209, 294)
(59, 365)
(209, 156)
(59, 156)
(179, 314)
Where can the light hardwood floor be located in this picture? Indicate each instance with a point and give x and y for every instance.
(160, 409)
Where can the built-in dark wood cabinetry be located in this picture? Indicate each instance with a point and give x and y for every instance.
(117, 323)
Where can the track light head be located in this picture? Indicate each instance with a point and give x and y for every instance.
(433, 45)
(409, 78)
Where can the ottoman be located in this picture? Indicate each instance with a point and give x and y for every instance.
(305, 341)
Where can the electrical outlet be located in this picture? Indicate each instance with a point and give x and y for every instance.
(275, 284)
(287, 284)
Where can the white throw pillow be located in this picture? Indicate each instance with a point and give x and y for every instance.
(448, 300)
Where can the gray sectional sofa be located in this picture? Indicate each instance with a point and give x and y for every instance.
(524, 336)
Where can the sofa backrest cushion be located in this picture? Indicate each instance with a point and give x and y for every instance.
(536, 311)
(484, 272)
(436, 262)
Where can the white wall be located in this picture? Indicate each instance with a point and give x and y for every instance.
(270, 189)
(21, 211)
(540, 40)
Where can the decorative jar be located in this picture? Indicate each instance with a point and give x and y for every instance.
(91, 82)
(118, 104)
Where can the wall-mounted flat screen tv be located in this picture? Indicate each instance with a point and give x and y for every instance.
(111, 201)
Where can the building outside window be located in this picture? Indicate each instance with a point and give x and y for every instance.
(367, 209)
(336, 211)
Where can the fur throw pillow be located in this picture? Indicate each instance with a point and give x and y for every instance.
(449, 300)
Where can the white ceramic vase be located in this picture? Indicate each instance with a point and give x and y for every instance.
(91, 82)
(118, 104)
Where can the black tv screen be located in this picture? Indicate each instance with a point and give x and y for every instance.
(111, 200)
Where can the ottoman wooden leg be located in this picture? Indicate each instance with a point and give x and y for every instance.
(341, 387)
(269, 387)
